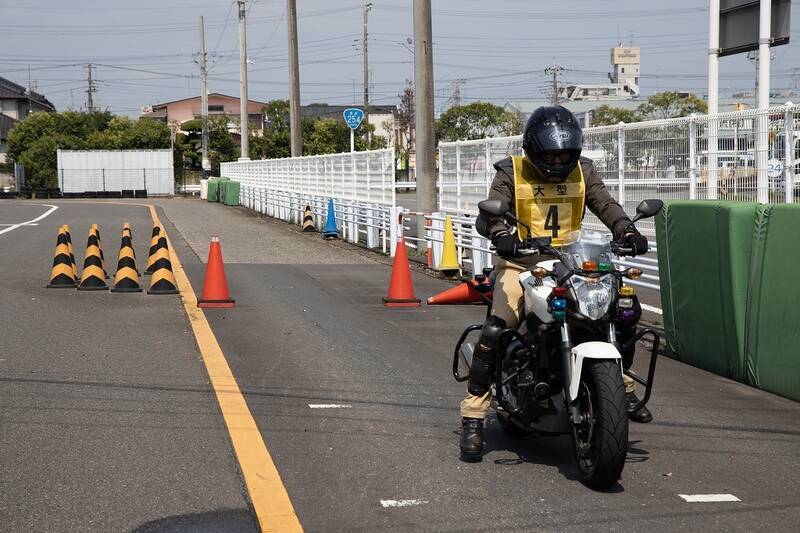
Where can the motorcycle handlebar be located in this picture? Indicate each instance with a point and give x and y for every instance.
(532, 247)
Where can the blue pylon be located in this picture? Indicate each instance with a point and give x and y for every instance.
(330, 231)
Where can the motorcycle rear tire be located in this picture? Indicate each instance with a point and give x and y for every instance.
(600, 466)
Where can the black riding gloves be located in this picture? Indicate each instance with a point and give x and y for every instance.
(637, 242)
(506, 245)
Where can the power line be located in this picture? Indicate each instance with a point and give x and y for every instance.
(224, 27)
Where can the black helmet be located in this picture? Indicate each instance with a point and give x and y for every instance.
(553, 128)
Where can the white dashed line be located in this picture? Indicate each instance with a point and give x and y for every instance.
(708, 498)
(329, 406)
(652, 309)
(402, 503)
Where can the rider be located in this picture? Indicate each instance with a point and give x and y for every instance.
(548, 188)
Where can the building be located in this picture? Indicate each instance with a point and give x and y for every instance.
(582, 109)
(382, 117)
(180, 111)
(16, 103)
(624, 78)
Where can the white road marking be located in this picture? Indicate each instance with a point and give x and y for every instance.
(652, 309)
(402, 503)
(706, 498)
(329, 406)
(23, 224)
(30, 222)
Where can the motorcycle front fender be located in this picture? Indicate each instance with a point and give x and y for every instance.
(588, 350)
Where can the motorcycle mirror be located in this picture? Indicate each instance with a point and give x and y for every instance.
(649, 208)
(497, 208)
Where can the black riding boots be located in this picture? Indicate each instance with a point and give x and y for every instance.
(471, 439)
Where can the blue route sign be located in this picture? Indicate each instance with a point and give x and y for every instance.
(353, 117)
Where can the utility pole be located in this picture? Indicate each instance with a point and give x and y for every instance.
(204, 96)
(294, 81)
(90, 90)
(243, 99)
(554, 70)
(423, 102)
(367, 7)
(30, 90)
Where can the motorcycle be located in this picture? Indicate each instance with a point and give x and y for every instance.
(560, 371)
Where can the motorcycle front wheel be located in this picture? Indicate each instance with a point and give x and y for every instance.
(600, 439)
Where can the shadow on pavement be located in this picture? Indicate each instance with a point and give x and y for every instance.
(226, 520)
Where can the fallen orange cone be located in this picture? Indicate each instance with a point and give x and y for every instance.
(401, 288)
(215, 287)
(464, 293)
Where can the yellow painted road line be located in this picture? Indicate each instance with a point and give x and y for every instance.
(270, 500)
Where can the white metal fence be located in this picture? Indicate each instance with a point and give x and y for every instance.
(82, 171)
(361, 184)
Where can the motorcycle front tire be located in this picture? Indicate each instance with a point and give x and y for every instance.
(600, 451)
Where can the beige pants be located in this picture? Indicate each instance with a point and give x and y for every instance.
(506, 304)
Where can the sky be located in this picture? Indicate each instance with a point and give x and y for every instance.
(144, 52)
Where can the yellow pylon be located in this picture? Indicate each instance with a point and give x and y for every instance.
(449, 265)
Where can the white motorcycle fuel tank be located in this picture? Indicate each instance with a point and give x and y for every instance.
(536, 293)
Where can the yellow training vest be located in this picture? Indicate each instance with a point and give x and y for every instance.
(552, 210)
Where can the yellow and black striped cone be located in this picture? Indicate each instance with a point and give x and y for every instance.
(308, 220)
(127, 277)
(96, 230)
(93, 277)
(126, 230)
(151, 257)
(71, 252)
(162, 280)
(62, 274)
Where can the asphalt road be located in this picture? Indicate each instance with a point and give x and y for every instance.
(108, 423)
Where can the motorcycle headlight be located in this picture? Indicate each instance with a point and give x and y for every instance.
(593, 295)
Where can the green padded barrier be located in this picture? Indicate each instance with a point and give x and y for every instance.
(213, 190)
(231, 196)
(704, 250)
(772, 355)
(221, 190)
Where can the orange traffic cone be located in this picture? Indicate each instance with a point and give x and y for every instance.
(215, 287)
(401, 288)
(463, 293)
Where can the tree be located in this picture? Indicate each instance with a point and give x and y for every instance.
(605, 115)
(34, 141)
(476, 121)
(670, 104)
(123, 133)
(320, 136)
(221, 145)
(276, 141)
(40, 161)
(406, 122)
